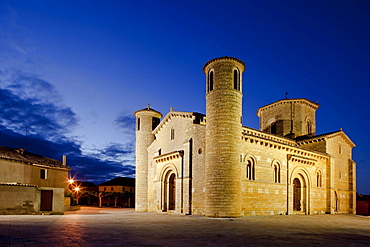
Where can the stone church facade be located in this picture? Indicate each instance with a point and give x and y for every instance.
(211, 165)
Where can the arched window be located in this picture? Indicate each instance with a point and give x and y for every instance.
(273, 128)
(277, 173)
(210, 81)
(250, 170)
(318, 179)
(236, 79)
(309, 127)
(172, 133)
(138, 123)
(155, 122)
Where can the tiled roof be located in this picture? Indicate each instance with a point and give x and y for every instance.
(120, 181)
(20, 155)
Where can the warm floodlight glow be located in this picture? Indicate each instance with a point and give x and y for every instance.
(76, 189)
(71, 181)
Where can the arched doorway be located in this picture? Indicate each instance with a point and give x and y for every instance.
(172, 192)
(297, 194)
(169, 191)
(336, 202)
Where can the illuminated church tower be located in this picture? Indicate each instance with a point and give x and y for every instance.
(146, 121)
(223, 137)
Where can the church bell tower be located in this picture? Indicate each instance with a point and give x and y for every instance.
(223, 137)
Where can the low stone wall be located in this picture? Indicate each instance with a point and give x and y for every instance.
(26, 199)
(19, 199)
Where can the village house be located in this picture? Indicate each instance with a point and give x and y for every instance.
(31, 184)
(118, 192)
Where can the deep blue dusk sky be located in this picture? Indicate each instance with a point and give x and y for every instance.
(74, 72)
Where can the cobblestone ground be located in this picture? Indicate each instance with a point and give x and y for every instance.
(123, 227)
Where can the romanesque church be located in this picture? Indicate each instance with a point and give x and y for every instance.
(212, 165)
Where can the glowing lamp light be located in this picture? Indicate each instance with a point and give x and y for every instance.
(77, 189)
(71, 181)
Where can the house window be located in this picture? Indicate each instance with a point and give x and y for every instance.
(105, 188)
(138, 124)
(172, 133)
(277, 173)
(236, 79)
(131, 190)
(123, 189)
(210, 81)
(43, 174)
(250, 170)
(340, 148)
(111, 188)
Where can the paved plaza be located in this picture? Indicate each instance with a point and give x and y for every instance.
(123, 227)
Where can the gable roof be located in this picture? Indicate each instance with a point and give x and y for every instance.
(328, 136)
(195, 116)
(22, 156)
(122, 181)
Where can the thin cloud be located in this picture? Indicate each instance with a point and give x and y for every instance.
(126, 123)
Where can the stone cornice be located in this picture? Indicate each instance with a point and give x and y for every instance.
(301, 159)
(285, 101)
(169, 156)
(224, 58)
(260, 138)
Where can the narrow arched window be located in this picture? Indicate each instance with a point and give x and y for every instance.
(309, 127)
(236, 79)
(319, 179)
(138, 124)
(155, 122)
(172, 133)
(210, 81)
(250, 170)
(277, 173)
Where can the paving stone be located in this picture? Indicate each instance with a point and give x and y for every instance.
(93, 226)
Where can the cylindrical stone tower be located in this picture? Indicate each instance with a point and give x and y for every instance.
(146, 121)
(223, 137)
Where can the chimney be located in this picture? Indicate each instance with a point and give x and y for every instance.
(64, 160)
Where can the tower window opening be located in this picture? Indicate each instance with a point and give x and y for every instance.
(138, 124)
(236, 79)
(309, 127)
(210, 81)
(155, 122)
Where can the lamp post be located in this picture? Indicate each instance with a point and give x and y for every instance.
(74, 188)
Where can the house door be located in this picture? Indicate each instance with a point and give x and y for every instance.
(46, 200)
(297, 193)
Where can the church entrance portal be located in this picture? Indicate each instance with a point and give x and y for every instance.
(297, 194)
(169, 192)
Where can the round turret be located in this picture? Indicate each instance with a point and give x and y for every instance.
(223, 136)
(147, 120)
